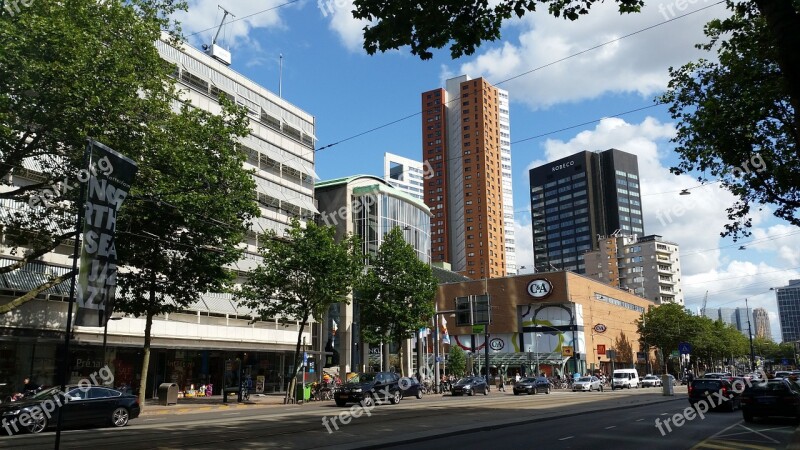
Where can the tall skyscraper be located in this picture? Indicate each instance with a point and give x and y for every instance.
(647, 265)
(761, 326)
(789, 310)
(577, 198)
(404, 174)
(738, 318)
(466, 143)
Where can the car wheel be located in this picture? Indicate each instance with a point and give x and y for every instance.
(419, 394)
(120, 417)
(516, 393)
(486, 391)
(368, 402)
(341, 403)
(37, 424)
(395, 398)
(470, 392)
(547, 391)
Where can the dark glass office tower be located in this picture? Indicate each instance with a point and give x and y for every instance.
(577, 198)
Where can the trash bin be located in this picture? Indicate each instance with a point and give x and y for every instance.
(168, 394)
(666, 385)
(303, 394)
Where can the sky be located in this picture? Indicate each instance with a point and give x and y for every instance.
(589, 84)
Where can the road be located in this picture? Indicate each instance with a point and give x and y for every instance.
(620, 419)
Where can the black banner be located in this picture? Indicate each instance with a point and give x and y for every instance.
(108, 181)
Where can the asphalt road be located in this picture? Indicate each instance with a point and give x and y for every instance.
(558, 420)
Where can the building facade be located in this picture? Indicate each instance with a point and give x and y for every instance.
(208, 342)
(743, 319)
(466, 145)
(762, 327)
(788, 298)
(648, 265)
(367, 207)
(577, 198)
(405, 174)
(556, 323)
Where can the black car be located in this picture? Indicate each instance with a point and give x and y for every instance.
(718, 393)
(370, 388)
(532, 385)
(81, 405)
(470, 386)
(778, 397)
(410, 387)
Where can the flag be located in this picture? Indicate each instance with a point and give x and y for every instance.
(445, 335)
(423, 332)
(334, 327)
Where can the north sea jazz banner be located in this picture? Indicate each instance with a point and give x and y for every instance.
(109, 180)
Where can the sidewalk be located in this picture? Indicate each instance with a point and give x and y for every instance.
(213, 403)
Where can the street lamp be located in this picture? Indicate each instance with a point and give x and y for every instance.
(105, 338)
(750, 335)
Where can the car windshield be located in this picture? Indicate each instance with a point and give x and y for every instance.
(584, 379)
(650, 377)
(363, 378)
(527, 380)
(47, 393)
(465, 380)
(620, 375)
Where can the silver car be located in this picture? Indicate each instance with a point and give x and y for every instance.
(651, 381)
(587, 384)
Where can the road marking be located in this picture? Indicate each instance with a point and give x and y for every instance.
(639, 420)
(612, 426)
(565, 438)
(231, 414)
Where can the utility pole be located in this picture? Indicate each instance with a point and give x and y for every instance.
(750, 335)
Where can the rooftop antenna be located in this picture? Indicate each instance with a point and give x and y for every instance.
(214, 50)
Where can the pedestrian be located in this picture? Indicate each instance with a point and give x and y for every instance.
(516, 377)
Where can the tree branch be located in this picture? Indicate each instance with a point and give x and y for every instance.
(19, 301)
(37, 253)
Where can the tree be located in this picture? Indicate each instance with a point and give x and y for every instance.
(624, 349)
(737, 121)
(175, 245)
(456, 361)
(67, 74)
(302, 274)
(396, 294)
(665, 327)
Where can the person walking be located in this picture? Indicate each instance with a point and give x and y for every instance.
(501, 382)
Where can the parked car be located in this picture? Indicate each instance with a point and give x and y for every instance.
(80, 405)
(624, 378)
(470, 386)
(710, 390)
(368, 388)
(587, 384)
(532, 385)
(410, 387)
(778, 397)
(651, 381)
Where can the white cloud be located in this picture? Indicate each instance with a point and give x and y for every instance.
(350, 30)
(634, 64)
(204, 16)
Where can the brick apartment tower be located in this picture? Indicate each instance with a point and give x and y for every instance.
(465, 142)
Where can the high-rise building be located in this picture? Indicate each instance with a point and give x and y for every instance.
(404, 174)
(737, 318)
(649, 266)
(466, 145)
(789, 310)
(577, 198)
(762, 328)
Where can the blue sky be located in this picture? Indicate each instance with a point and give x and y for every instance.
(328, 74)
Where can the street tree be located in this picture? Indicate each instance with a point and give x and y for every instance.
(665, 327)
(456, 361)
(396, 294)
(189, 211)
(301, 275)
(624, 349)
(63, 78)
(737, 121)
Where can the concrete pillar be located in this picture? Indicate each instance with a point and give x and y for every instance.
(407, 355)
(346, 339)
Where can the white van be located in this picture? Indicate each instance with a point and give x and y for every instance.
(625, 378)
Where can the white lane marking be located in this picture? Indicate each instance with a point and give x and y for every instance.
(231, 414)
(639, 420)
(612, 426)
(565, 438)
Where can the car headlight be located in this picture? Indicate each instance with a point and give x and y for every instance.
(467, 386)
(14, 412)
(356, 390)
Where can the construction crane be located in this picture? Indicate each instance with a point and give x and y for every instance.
(703, 309)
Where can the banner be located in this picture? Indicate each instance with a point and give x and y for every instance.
(108, 181)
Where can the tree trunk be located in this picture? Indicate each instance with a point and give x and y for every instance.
(148, 326)
(385, 356)
(290, 391)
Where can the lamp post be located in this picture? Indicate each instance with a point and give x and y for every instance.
(105, 338)
(750, 335)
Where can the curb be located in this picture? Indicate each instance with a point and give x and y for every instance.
(514, 424)
(200, 409)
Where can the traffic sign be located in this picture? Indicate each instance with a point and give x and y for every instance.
(566, 350)
(684, 348)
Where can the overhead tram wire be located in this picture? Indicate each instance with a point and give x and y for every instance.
(534, 70)
(245, 17)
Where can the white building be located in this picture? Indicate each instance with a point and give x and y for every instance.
(405, 174)
(203, 343)
(648, 266)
